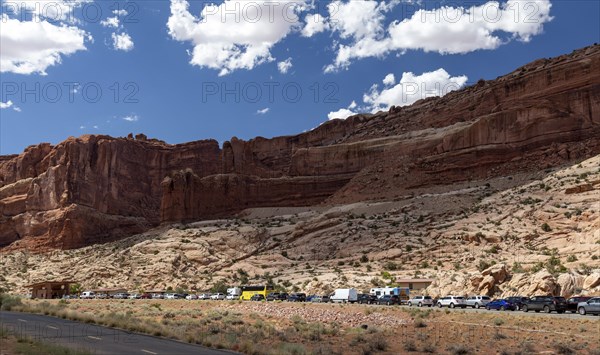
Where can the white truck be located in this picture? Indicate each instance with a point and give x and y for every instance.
(233, 293)
(344, 295)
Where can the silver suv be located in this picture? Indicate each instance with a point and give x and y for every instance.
(452, 301)
(478, 301)
(421, 301)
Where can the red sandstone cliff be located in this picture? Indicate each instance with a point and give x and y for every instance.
(97, 188)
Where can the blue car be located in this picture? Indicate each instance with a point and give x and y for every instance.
(501, 305)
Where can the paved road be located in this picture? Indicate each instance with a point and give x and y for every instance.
(95, 339)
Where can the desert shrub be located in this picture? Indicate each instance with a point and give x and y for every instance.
(409, 346)
(571, 258)
(459, 349)
(483, 264)
(8, 302)
(493, 249)
(358, 339)
(390, 266)
(563, 349)
(517, 268)
(429, 348)
(378, 342)
(419, 323)
(546, 228)
(292, 349)
(499, 336)
(498, 321)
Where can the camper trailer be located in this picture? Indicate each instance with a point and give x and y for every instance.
(402, 292)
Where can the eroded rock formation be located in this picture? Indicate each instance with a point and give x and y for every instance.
(97, 188)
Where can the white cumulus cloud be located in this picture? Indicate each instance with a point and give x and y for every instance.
(285, 66)
(409, 89)
(263, 111)
(120, 12)
(7, 104)
(111, 22)
(343, 113)
(28, 47)
(412, 88)
(389, 79)
(235, 34)
(445, 30)
(122, 42)
(314, 23)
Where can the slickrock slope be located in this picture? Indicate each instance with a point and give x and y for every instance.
(96, 188)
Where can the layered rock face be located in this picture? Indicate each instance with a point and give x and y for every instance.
(91, 189)
(544, 114)
(97, 188)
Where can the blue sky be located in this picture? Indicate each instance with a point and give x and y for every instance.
(182, 71)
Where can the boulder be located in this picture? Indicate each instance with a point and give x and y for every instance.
(591, 282)
(498, 272)
(569, 284)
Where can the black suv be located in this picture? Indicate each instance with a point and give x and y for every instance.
(277, 296)
(297, 297)
(518, 301)
(545, 303)
(365, 298)
(257, 297)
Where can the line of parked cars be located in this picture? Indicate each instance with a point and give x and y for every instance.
(547, 304)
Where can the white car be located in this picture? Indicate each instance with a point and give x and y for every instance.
(217, 296)
(232, 297)
(452, 301)
(420, 301)
(191, 297)
(478, 301)
(204, 296)
(135, 296)
(170, 296)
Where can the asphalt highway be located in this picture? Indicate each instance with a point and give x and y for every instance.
(94, 338)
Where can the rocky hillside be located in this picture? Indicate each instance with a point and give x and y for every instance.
(96, 189)
(527, 233)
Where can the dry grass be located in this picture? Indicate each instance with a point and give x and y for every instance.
(239, 327)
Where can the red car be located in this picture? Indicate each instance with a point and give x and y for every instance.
(146, 296)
